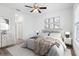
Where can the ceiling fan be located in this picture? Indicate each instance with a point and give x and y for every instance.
(35, 7)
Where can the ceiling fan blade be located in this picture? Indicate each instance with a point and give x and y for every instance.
(28, 6)
(31, 11)
(42, 7)
(39, 11)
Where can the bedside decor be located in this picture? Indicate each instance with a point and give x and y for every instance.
(37, 32)
(67, 38)
(67, 34)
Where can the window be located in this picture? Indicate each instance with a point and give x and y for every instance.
(77, 31)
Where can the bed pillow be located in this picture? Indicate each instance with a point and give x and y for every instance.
(56, 35)
(43, 34)
(29, 43)
(24, 45)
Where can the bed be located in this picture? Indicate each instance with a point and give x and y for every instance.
(54, 50)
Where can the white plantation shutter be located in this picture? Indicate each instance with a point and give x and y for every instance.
(77, 31)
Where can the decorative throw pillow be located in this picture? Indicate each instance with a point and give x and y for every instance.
(24, 45)
(29, 43)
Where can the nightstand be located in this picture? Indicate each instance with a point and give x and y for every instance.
(68, 41)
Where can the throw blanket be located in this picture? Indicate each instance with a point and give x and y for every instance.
(43, 45)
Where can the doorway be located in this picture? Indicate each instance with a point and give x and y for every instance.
(18, 28)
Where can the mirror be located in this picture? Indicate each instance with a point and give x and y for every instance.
(4, 24)
(7, 21)
(2, 20)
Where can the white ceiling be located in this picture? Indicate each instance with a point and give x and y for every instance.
(50, 6)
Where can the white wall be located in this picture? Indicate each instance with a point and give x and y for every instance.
(9, 14)
(66, 19)
(25, 28)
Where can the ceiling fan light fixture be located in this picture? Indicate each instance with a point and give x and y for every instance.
(36, 10)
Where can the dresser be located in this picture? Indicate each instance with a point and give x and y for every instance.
(68, 41)
(7, 39)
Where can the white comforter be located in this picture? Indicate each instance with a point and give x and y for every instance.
(54, 51)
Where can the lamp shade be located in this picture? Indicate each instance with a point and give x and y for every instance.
(67, 34)
(4, 26)
(36, 10)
